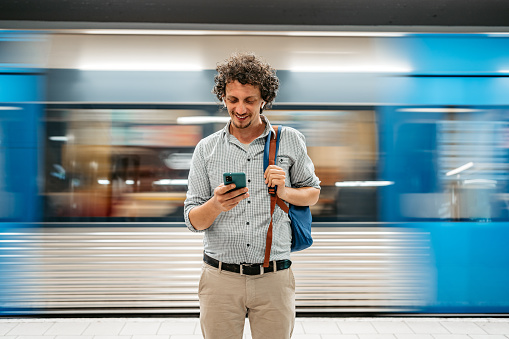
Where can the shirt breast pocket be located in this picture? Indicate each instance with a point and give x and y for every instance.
(285, 163)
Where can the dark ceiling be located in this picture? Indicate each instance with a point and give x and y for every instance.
(448, 13)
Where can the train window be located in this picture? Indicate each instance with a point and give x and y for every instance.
(448, 163)
(132, 164)
(118, 164)
(343, 147)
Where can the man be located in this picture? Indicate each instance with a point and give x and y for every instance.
(233, 282)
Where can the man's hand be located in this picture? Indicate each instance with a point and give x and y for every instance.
(203, 216)
(302, 196)
(275, 176)
(225, 199)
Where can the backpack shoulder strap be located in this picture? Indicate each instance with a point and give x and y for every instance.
(274, 147)
(282, 205)
(271, 148)
(271, 140)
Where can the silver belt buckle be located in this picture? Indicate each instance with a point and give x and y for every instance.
(262, 269)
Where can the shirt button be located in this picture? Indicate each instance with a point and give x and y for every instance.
(248, 159)
(249, 201)
(247, 223)
(248, 180)
(248, 245)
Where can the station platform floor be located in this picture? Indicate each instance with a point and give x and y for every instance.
(305, 328)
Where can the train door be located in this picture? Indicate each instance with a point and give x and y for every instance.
(21, 93)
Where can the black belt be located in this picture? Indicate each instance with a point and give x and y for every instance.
(248, 269)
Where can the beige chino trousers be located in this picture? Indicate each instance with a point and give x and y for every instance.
(226, 298)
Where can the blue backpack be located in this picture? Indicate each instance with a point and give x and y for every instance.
(300, 216)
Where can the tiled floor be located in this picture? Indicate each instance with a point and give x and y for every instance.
(305, 328)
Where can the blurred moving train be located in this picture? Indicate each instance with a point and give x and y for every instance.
(409, 134)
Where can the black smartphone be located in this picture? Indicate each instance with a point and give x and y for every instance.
(237, 178)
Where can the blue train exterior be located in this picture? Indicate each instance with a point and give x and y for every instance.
(454, 83)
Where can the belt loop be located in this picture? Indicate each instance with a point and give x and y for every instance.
(220, 266)
(274, 269)
(262, 269)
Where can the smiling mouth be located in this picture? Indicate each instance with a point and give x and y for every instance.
(241, 117)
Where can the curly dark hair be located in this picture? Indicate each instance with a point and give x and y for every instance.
(247, 68)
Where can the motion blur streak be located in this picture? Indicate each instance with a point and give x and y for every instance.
(408, 134)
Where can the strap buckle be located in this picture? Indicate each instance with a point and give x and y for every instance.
(272, 191)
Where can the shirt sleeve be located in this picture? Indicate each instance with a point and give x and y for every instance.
(198, 184)
(302, 172)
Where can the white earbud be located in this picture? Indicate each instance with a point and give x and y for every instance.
(263, 104)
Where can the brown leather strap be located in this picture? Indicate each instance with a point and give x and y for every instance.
(268, 242)
(282, 205)
(272, 155)
(273, 199)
